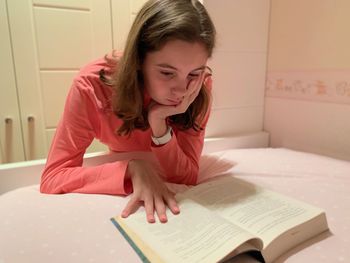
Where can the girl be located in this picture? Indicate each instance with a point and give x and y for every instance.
(154, 97)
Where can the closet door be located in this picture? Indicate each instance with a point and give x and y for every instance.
(123, 14)
(11, 143)
(51, 40)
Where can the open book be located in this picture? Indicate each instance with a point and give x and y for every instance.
(220, 219)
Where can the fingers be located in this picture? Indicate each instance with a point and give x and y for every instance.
(131, 207)
(160, 208)
(208, 72)
(196, 84)
(149, 207)
(149, 190)
(194, 88)
(172, 204)
(135, 203)
(158, 203)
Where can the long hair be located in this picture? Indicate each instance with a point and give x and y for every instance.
(156, 23)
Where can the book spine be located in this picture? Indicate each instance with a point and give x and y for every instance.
(132, 244)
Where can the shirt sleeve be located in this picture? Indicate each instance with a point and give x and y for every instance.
(63, 172)
(179, 158)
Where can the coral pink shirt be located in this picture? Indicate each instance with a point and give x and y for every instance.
(88, 115)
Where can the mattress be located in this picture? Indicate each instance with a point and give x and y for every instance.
(36, 227)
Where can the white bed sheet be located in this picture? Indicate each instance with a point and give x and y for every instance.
(77, 228)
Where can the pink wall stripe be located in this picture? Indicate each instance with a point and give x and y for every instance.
(314, 85)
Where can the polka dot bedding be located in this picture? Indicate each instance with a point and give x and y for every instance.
(35, 227)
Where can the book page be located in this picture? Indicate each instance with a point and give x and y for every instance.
(195, 235)
(264, 213)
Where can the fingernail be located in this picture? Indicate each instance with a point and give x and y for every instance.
(151, 220)
(163, 219)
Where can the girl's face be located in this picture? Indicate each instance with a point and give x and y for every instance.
(168, 71)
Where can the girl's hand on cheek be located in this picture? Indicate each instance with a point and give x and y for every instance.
(161, 112)
(150, 190)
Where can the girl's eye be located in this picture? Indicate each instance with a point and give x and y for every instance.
(167, 74)
(193, 76)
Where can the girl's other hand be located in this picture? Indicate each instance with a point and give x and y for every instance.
(161, 112)
(149, 190)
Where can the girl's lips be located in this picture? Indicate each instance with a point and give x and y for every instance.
(175, 102)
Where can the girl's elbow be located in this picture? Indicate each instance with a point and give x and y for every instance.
(190, 179)
(46, 185)
(45, 189)
(193, 180)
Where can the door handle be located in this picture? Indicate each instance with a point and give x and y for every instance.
(8, 120)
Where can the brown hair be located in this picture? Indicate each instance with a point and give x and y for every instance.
(156, 23)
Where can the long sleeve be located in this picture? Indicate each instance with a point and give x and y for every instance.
(63, 172)
(179, 158)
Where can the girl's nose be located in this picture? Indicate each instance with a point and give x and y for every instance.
(179, 90)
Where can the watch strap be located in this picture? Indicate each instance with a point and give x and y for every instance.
(164, 139)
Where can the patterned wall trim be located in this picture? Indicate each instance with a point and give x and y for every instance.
(315, 85)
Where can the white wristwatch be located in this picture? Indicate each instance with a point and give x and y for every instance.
(164, 139)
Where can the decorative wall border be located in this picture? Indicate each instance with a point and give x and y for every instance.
(314, 85)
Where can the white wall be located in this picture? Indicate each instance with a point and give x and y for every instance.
(307, 104)
(239, 65)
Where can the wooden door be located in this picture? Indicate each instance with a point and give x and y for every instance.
(11, 143)
(51, 40)
(123, 14)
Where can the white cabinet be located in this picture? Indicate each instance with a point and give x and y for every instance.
(11, 142)
(43, 45)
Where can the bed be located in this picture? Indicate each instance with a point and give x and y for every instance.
(76, 228)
